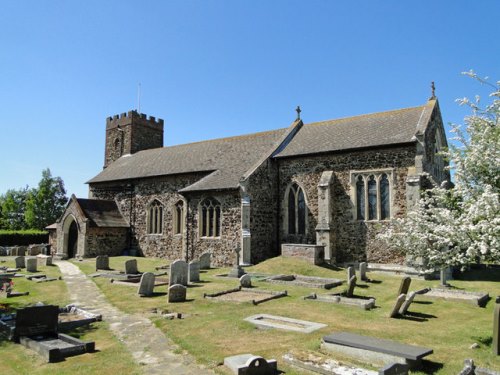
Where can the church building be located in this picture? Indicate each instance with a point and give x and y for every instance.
(334, 183)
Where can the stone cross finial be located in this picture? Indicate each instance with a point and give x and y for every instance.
(433, 90)
(237, 251)
(298, 110)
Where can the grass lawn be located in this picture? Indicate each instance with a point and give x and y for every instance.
(214, 330)
(16, 359)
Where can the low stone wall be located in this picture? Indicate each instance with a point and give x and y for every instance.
(314, 254)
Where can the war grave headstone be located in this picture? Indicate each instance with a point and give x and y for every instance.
(194, 271)
(102, 262)
(31, 265)
(246, 281)
(404, 287)
(20, 262)
(406, 304)
(236, 271)
(146, 285)
(178, 273)
(397, 306)
(177, 293)
(249, 364)
(205, 261)
(363, 268)
(131, 267)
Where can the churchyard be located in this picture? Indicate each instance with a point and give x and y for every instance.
(212, 329)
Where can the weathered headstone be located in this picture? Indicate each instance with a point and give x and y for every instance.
(131, 267)
(31, 265)
(351, 284)
(177, 293)
(236, 271)
(178, 273)
(35, 249)
(205, 261)
(404, 286)
(395, 369)
(363, 267)
(469, 368)
(21, 250)
(194, 271)
(250, 364)
(102, 262)
(146, 284)
(20, 262)
(246, 281)
(44, 260)
(350, 272)
(406, 304)
(496, 330)
(399, 301)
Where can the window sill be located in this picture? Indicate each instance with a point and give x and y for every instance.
(210, 238)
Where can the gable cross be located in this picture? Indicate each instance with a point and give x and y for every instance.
(433, 90)
(298, 110)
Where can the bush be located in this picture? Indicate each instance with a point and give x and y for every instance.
(23, 237)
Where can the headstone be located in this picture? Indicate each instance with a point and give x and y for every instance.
(31, 264)
(35, 249)
(20, 262)
(21, 251)
(146, 284)
(363, 267)
(102, 262)
(350, 286)
(37, 320)
(237, 271)
(178, 273)
(44, 260)
(14, 251)
(177, 293)
(350, 272)
(399, 301)
(205, 261)
(406, 304)
(496, 330)
(131, 267)
(469, 368)
(194, 271)
(404, 286)
(395, 369)
(246, 281)
(250, 364)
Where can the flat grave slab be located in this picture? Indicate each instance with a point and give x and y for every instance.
(71, 317)
(134, 281)
(362, 303)
(475, 298)
(306, 281)
(324, 366)
(240, 295)
(282, 322)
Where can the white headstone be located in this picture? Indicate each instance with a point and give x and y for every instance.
(178, 273)
(31, 264)
(146, 284)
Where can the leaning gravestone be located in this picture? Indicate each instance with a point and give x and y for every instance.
(102, 262)
(194, 271)
(31, 264)
(496, 330)
(350, 273)
(363, 266)
(20, 262)
(350, 286)
(177, 293)
(406, 304)
(246, 281)
(131, 267)
(397, 306)
(205, 261)
(178, 273)
(146, 284)
(404, 286)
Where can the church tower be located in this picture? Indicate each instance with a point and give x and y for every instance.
(129, 133)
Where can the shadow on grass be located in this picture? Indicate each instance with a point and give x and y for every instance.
(417, 317)
(480, 273)
(430, 367)
(331, 267)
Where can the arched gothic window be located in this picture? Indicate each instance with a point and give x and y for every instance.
(179, 217)
(296, 210)
(210, 218)
(372, 196)
(155, 218)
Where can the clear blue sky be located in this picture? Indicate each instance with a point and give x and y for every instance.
(219, 68)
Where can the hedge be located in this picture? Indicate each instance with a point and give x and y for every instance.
(23, 237)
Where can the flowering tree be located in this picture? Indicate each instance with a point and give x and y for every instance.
(458, 226)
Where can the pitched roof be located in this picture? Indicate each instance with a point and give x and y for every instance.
(224, 160)
(372, 130)
(102, 213)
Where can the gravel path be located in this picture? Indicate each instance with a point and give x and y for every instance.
(147, 344)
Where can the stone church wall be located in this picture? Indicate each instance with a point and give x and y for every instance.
(354, 240)
(106, 241)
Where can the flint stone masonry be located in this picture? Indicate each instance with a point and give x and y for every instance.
(313, 254)
(205, 261)
(20, 262)
(178, 273)
(177, 293)
(31, 265)
(249, 364)
(147, 284)
(131, 267)
(102, 262)
(194, 271)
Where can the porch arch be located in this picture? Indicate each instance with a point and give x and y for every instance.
(71, 234)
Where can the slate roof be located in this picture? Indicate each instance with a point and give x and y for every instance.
(102, 213)
(224, 160)
(372, 130)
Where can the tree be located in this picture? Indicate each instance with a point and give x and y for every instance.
(45, 204)
(12, 206)
(459, 226)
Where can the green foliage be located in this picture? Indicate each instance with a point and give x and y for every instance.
(12, 207)
(22, 237)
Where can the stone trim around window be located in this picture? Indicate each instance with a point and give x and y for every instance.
(295, 200)
(209, 212)
(155, 217)
(179, 217)
(372, 194)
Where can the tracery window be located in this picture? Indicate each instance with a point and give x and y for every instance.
(296, 210)
(210, 217)
(155, 218)
(372, 192)
(179, 217)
